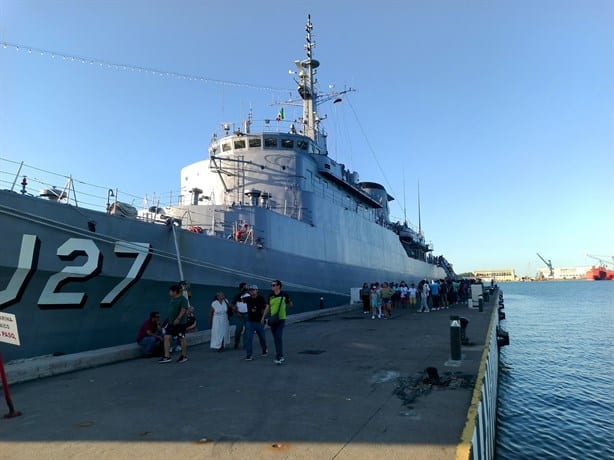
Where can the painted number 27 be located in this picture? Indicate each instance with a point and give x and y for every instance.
(51, 296)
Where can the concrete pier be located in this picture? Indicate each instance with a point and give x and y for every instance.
(351, 388)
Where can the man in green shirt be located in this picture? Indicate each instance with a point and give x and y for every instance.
(276, 305)
(177, 323)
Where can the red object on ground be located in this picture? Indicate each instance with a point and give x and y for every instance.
(7, 394)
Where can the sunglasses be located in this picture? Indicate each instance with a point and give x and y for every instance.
(274, 284)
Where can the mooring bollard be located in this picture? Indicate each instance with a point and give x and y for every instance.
(455, 338)
(480, 303)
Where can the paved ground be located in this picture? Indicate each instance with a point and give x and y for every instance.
(351, 388)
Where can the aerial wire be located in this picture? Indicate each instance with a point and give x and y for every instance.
(128, 67)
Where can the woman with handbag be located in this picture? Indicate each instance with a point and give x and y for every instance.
(276, 306)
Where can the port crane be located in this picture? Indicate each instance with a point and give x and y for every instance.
(548, 264)
(601, 260)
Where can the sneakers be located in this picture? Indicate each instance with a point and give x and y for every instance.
(265, 352)
(182, 359)
(279, 361)
(165, 359)
(372, 317)
(248, 358)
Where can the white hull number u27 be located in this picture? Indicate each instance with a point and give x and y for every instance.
(51, 297)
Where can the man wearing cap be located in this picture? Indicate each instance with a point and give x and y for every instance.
(239, 309)
(255, 314)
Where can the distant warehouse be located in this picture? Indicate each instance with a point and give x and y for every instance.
(563, 273)
(508, 274)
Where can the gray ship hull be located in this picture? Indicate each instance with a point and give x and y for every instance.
(74, 289)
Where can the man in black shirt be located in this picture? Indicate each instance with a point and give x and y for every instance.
(255, 315)
(239, 313)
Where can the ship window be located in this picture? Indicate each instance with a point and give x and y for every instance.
(270, 142)
(301, 144)
(287, 143)
(240, 144)
(255, 142)
(226, 147)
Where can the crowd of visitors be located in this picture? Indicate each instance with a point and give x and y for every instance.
(380, 299)
(250, 313)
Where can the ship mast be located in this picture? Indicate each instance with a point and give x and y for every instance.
(307, 72)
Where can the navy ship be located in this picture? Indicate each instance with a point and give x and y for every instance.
(268, 202)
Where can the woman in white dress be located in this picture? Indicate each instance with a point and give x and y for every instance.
(218, 319)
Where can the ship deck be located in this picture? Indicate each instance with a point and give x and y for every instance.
(351, 388)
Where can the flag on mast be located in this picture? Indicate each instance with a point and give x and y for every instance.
(280, 115)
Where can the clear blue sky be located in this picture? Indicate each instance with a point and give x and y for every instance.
(503, 111)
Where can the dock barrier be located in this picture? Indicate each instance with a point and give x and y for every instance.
(478, 438)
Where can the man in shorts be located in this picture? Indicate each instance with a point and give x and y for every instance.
(177, 323)
(412, 293)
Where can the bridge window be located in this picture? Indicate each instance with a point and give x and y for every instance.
(301, 144)
(255, 142)
(239, 144)
(287, 143)
(270, 142)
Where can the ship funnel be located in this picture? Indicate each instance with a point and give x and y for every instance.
(378, 193)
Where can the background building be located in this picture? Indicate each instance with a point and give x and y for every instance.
(508, 274)
(562, 273)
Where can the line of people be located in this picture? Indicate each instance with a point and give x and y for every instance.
(379, 300)
(248, 311)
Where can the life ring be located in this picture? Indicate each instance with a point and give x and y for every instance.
(195, 229)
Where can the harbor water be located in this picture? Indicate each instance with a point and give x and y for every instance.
(556, 391)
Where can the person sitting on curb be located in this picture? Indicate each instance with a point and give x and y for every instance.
(149, 336)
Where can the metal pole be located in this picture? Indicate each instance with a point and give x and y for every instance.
(17, 176)
(7, 394)
(177, 251)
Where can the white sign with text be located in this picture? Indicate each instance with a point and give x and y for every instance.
(8, 329)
